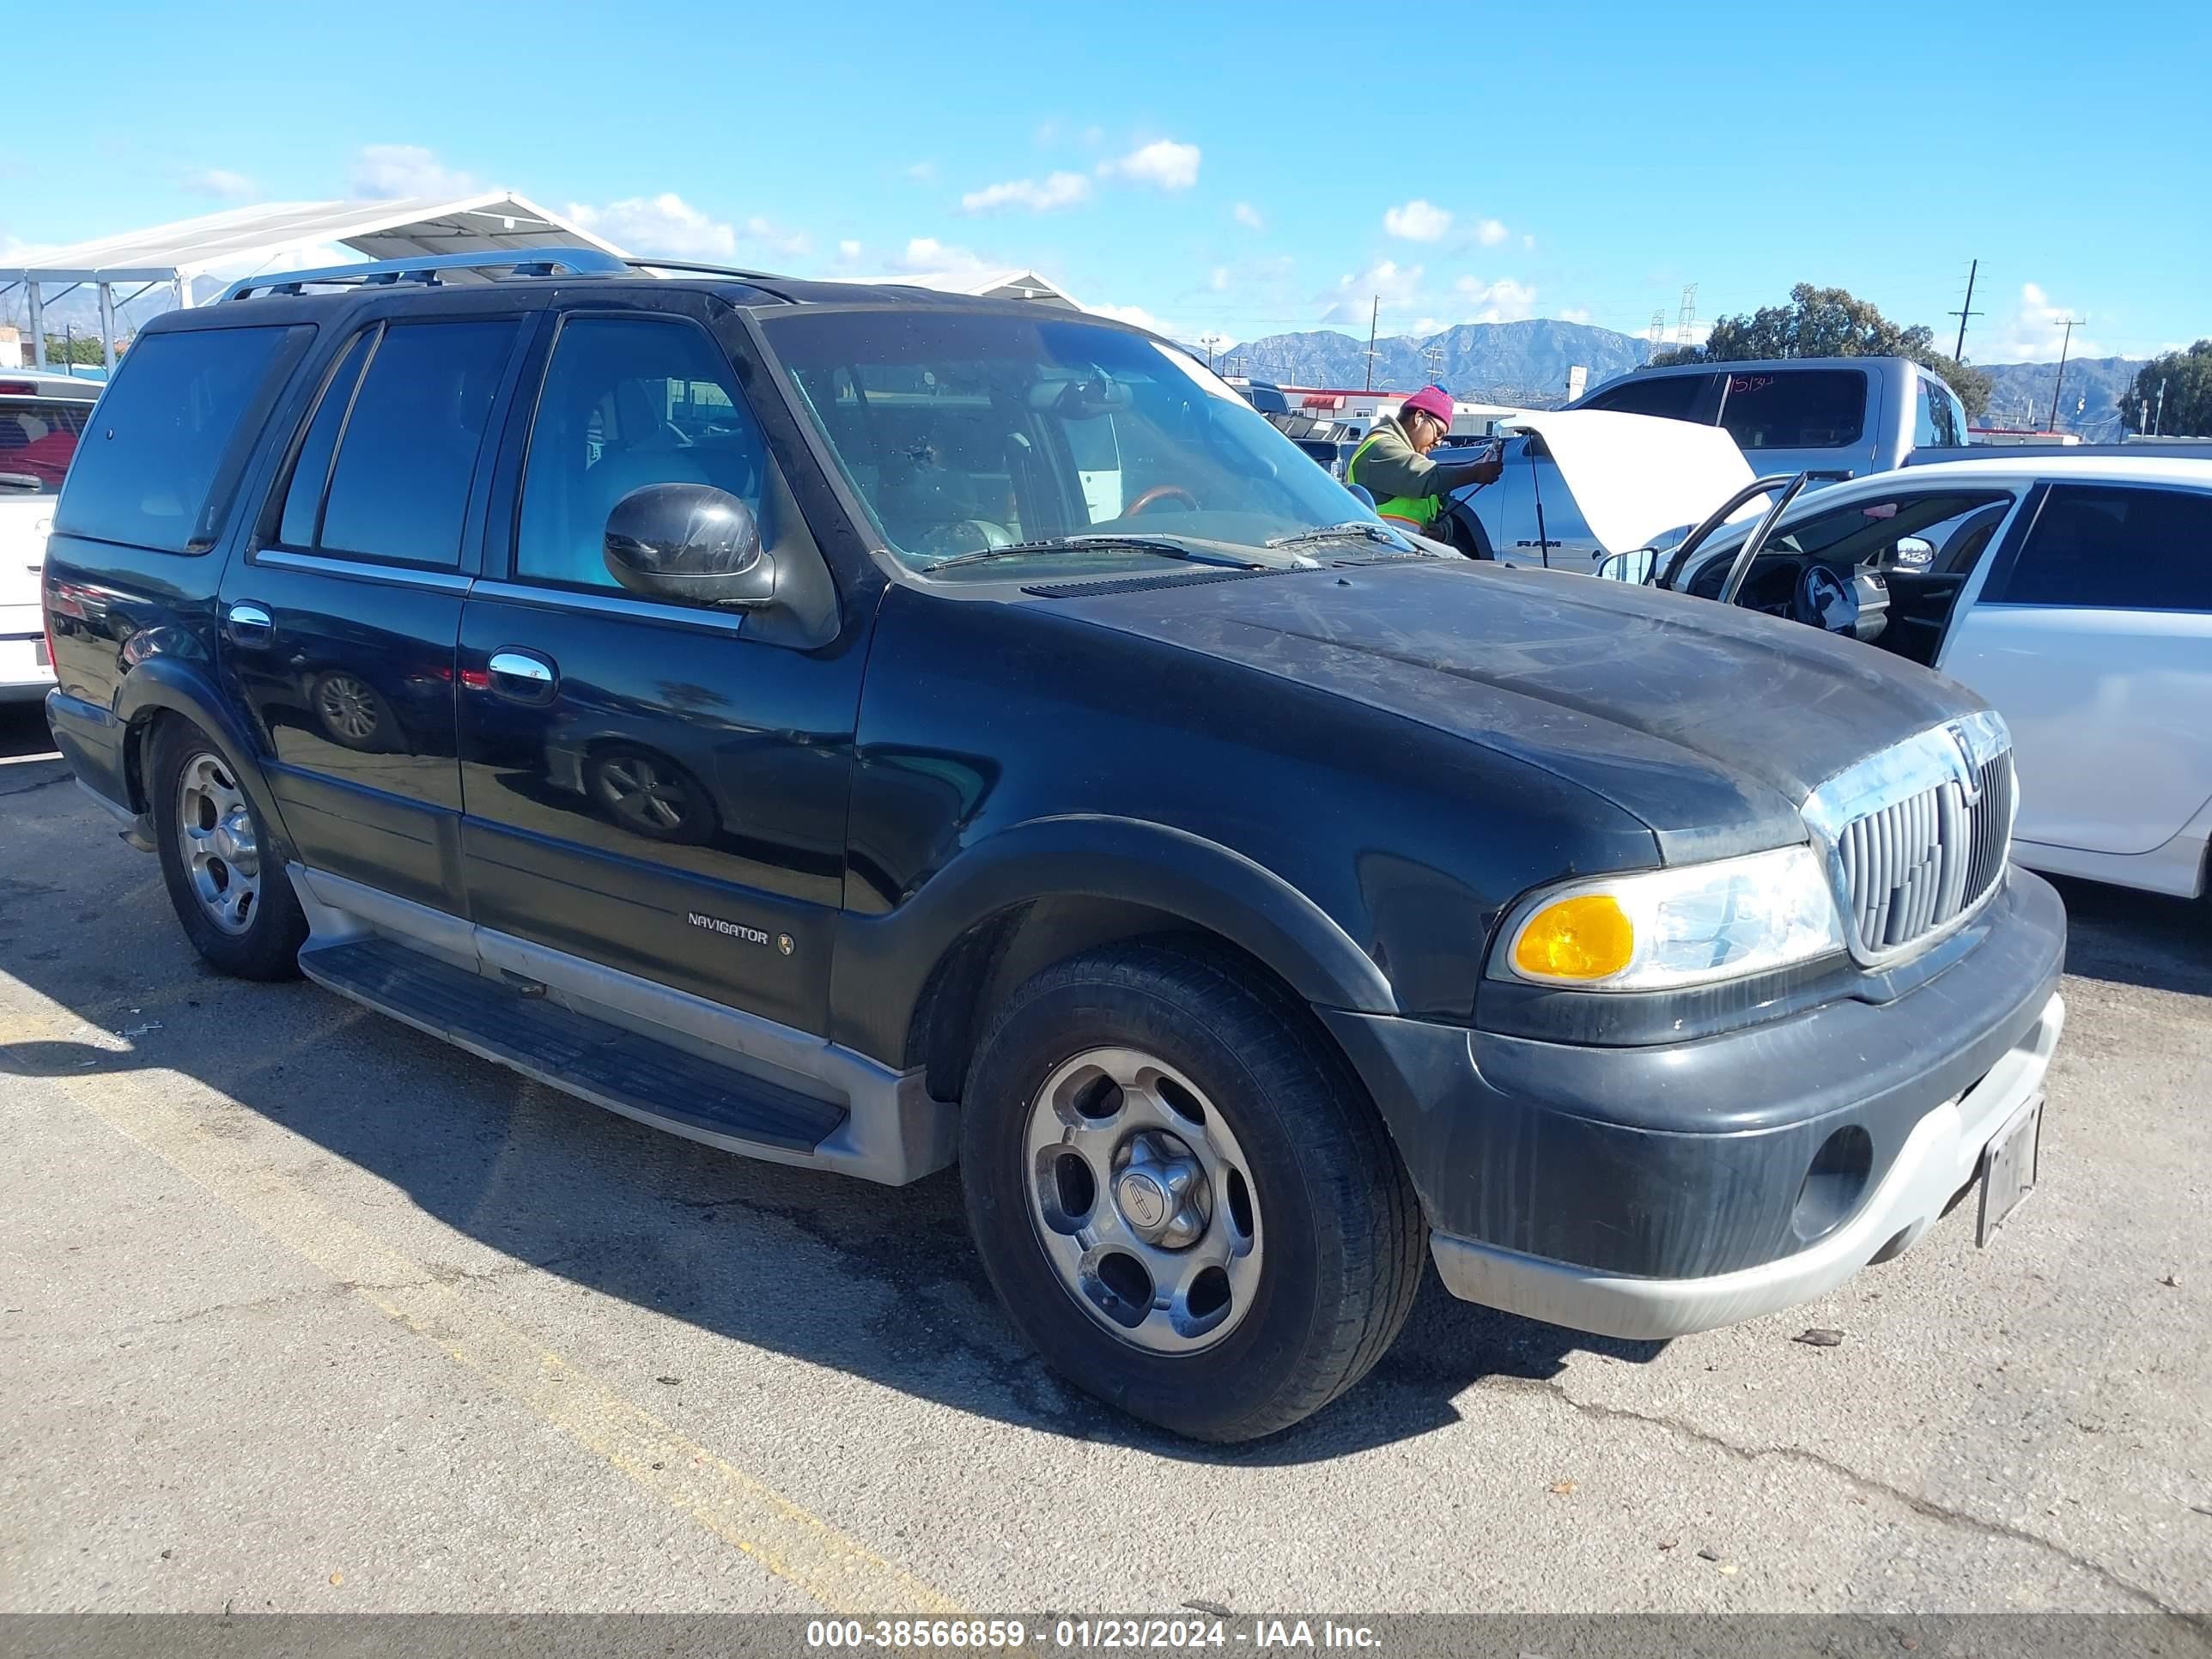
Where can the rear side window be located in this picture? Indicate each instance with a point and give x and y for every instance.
(2110, 547)
(1795, 409)
(1936, 421)
(407, 452)
(39, 438)
(168, 440)
(1669, 397)
(311, 471)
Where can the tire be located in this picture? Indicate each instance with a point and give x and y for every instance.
(1332, 1233)
(247, 922)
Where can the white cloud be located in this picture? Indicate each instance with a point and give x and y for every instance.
(847, 252)
(665, 225)
(925, 256)
(1396, 288)
(1057, 189)
(1573, 313)
(1164, 163)
(1416, 221)
(1491, 232)
(220, 182)
(922, 172)
(1137, 314)
(1247, 215)
(1502, 301)
(1529, 242)
(2035, 333)
(1219, 279)
(792, 244)
(381, 170)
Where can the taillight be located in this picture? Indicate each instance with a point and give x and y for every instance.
(46, 622)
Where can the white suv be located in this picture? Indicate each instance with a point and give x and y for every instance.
(41, 418)
(2073, 592)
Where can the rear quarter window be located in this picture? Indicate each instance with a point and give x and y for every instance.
(159, 462)
(1669, 397)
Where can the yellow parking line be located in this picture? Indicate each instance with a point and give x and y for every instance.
(838, 1571)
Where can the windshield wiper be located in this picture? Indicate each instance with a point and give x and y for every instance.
(1365, 529)
(1158, 546)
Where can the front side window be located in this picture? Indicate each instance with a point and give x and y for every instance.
(629, 402)
(1940, 530)
(2114, 547)
(39, 438)
(1669, 397)
(1795, 408)
(157, 469)
(965, 432)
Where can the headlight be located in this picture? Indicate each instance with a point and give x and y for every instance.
(1658, 929)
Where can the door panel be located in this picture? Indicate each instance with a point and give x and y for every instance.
(668, 797)
(2093, 636)
(2106, 709)
(340, 625)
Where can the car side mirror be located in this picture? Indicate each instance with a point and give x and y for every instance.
(1637, 565)
(691, 543)
(1363, 494)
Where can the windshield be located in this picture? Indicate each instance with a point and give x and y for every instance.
(963, 432)
(38, 440)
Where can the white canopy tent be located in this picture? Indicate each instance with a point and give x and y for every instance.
(986, 285)
(245, 241)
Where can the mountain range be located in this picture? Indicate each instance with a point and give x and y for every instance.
(1525, 365)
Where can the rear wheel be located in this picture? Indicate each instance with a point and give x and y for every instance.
(228, 884)
(1180, 1195)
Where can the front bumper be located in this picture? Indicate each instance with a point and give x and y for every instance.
(1649, 1191)
(1939, 1159)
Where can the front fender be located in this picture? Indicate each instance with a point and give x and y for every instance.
(884, 963)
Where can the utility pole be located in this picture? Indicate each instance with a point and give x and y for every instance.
(2158, 415)
(1959, 351)
(2063, 343)
(1374, 314)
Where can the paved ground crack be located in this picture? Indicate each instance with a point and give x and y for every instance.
(1867, 1484)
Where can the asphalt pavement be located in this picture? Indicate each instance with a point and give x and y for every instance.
(302, 1311)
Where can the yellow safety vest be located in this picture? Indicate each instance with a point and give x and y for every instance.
(1416, 510)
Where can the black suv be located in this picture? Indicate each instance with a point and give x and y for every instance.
(866, 728)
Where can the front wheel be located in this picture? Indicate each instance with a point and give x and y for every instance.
(1180, 1196)
(226, 880)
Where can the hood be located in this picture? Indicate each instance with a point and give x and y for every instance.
(1708, 723)
(1635, 478)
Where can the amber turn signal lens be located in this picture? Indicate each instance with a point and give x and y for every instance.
(1588, 936)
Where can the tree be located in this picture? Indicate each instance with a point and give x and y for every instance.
(2186, 377)
(70, 348)
(1827, 322)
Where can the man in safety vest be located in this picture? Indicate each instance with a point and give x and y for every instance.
(1393, 464)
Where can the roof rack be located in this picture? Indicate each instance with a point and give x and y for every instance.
(427, 269)
(703, 270)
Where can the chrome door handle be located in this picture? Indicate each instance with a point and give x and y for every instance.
(522, 676)
(249, 624)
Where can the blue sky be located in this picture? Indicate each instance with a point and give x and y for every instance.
(1226, 170)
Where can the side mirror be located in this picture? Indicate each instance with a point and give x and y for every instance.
(1363, 494)
(1636, 566)
(691, 543)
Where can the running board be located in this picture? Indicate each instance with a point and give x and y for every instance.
(623, 1070)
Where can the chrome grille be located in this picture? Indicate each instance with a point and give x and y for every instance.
(1917, 836)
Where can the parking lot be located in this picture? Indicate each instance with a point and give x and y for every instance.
(303, 1310)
